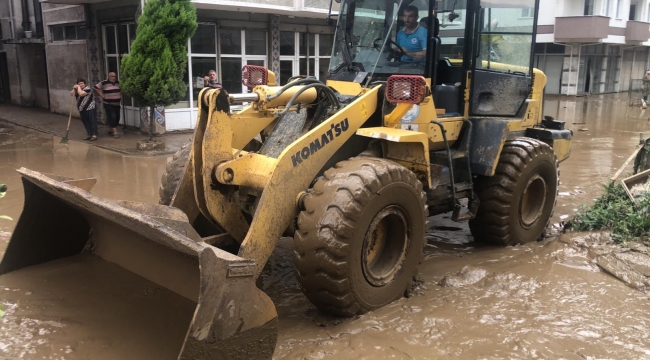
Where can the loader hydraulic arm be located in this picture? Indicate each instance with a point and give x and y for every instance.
(220, 166)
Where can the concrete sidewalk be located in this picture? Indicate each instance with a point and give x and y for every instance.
(55, 124)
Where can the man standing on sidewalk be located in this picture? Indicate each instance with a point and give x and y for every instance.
(109, 90)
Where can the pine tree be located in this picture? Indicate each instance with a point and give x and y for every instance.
(153, 72)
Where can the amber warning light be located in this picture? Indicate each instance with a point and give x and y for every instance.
(406, 89)
(253, 76)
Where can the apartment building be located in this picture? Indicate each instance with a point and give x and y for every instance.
(88, 38)
(592, 46)
(23, 73)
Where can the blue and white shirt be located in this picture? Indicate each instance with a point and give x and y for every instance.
(412, 42)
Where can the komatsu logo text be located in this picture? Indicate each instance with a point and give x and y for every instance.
(335, 131)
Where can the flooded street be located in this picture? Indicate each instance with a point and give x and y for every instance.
(544, 300)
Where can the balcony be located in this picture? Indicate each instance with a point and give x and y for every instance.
(637, 32)
(581, 28)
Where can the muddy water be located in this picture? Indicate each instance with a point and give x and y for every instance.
(605, 133)
(44, 321)
(543, 300)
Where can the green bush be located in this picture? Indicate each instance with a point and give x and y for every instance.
(615, 211)
(153, 72)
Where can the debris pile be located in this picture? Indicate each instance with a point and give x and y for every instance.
(616, 212)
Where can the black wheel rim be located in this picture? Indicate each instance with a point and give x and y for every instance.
(385, 245)
(533, 200)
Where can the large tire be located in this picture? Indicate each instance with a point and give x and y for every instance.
(361, 236)
(518, 201)
(173, 174)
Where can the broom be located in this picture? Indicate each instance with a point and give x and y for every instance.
(64, 140)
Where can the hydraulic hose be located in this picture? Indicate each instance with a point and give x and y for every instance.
(299, 82)
(330, 94)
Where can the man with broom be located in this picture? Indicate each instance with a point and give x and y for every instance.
(86, 107)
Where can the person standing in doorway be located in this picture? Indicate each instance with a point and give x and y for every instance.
(86, 107)
(109, 90)
(211, 80)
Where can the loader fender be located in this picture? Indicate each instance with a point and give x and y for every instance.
(558, 139)
(232, 319)
(408, 148)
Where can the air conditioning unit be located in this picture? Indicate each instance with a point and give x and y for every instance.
(5, 29)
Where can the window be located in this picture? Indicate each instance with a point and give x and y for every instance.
(203, 58)
(589, 7)
(527, 13)
(504, 38)
(304, 54)
(632, 12)
(619, 8)
(68, 32)
(239, 48)
(608, 8)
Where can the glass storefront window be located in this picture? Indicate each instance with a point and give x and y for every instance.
(255, 42)
(111, 47)
(303, 66)
(231, 74)
(132, 28)
(286, 71)
(323, 68)
(325, 44)
(123, 38)
(230, 41)
(112, 64)
(200, 68)
(302, 43)
(203, 41)
(287, 43)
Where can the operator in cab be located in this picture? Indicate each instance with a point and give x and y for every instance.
(412, 38)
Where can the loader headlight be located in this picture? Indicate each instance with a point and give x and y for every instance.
(406, 89)
(253, 76)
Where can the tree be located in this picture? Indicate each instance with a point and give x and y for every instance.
(153, 72)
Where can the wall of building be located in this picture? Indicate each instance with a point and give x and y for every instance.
(66, 60)
(27, 74)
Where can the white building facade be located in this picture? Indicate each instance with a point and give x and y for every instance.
(592, 46)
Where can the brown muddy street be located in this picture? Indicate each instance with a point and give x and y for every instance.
(542, 300)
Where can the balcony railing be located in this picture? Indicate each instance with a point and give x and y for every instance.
(589, 28)
(637, 31)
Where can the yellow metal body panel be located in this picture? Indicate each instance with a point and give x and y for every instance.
(291, 173)
(345, 87)
(409, 148)
(210, 148)
(562, 149)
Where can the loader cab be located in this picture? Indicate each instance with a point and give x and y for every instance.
(491, 39)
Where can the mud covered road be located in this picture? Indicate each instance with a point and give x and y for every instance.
(544, 300)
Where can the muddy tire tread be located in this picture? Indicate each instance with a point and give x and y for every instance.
(173, 173)
(323, 236)
(492, 222)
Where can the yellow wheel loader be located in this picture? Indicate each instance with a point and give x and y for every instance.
(429, 107)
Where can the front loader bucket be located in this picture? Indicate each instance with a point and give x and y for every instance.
(69, 235)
